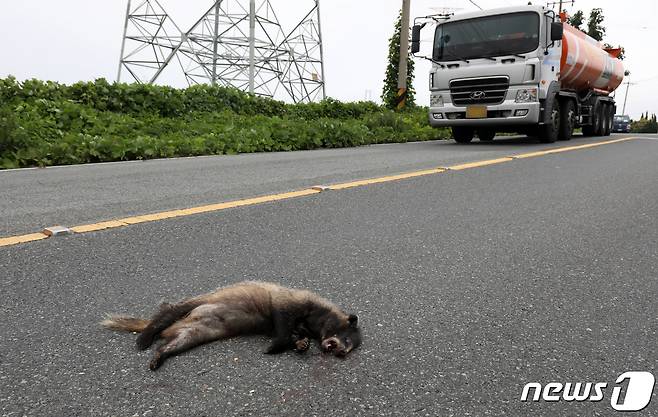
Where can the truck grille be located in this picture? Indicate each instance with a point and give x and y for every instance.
(491, 90)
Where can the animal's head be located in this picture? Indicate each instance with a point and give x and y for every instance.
(340, 336)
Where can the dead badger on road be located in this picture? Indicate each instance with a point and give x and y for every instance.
(291, 316)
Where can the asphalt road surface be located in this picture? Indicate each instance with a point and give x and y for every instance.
(468, 284)
(71, 195)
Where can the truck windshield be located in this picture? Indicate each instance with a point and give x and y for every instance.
(488, 36)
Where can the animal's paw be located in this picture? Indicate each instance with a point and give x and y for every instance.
(156, 361)
(144, 340)
(302, 345)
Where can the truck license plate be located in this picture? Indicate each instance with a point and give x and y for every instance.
(476, 112)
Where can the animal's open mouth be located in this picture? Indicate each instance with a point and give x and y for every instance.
(333, 346)
(329, 345)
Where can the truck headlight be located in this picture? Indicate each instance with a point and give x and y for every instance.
(436, 100)
(526, 95)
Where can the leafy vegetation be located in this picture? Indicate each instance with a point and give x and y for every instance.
(595, 27)
(390, 90)
(47, 123)
(646, 124)
(577, 20)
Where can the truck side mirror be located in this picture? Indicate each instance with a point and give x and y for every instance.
(415, 38)
(557, 30)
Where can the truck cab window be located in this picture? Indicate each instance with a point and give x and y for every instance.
(488, 36)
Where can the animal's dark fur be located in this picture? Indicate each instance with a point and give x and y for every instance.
(290, 316)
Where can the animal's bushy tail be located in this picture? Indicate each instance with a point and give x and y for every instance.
(126, 324)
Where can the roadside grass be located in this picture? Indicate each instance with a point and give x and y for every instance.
(47, 123)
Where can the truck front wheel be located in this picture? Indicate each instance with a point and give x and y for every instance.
(549, 131)
(567, 119)
(462, 134)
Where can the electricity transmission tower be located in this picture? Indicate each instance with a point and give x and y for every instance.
(233, 43)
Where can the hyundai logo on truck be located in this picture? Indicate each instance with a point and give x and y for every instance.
(478, 95)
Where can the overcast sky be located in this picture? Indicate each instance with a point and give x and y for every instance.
(72, 40)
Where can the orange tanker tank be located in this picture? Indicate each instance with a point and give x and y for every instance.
(586, 65)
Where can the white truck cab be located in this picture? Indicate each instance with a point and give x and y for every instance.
(497, 70)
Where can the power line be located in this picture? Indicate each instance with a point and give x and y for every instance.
(560, 3)
(647, 79)
(475, 4)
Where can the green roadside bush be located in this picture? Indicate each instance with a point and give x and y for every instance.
(47, 123)
(646, 124)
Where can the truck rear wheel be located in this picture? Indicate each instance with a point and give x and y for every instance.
(599, 127)
(567, 120)
(486, 135)
(607, 126)
(462, 134)
(549, 131)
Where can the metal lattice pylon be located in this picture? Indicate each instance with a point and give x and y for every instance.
(237, 43)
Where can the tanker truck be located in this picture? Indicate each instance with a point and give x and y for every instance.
(518, 69)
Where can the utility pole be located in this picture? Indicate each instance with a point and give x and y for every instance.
(628, 85)
(404, 55)
(560, 10)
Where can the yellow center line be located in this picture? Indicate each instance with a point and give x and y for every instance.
(143, 218)
(98, 226)
(387, 178)
(188, 212)
(567, 148)
(477, 164)
(15, 240)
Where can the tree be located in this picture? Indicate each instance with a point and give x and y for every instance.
(577, 20)
(595, 27)
(390, 91)
(646, 124)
